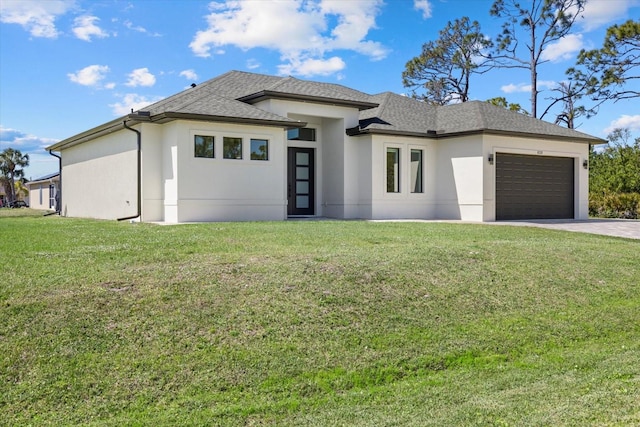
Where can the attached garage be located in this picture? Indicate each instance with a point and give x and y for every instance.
(534, 187)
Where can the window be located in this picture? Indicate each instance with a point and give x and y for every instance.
(416, 171)
(231, 148)
(40, 194)
(52, 196)
(203, 146)
(301, 134)
(393, 170)
(259, 149)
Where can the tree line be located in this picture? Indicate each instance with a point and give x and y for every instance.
(443, 71)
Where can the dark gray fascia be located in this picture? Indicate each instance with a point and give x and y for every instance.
(267, 94)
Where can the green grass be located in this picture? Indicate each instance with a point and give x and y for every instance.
(337, 323)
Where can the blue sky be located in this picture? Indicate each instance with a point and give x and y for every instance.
(69, 65)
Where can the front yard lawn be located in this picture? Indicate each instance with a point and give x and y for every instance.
(316, 323)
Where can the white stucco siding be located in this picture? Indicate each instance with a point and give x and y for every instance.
(100, 177)
(152, 170)
(334, 158)
(405, 203)
(459, 178)
(219, 189)
(364, 150)
(493, 144)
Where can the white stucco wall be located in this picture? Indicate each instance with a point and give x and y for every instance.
(152, 172)
(403, 204)
(459, 178)
(218, 189)
(99, 178)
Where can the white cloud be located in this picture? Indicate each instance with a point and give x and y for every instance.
(300, 30)
(312, 67)
(35, 16)
(598, 13)
(525, 87)
(92, 75)
(565, 48)
(141, 77)
(85, 27)
(22, 141)
(189, 74)
(423, 6)
(140, 29)
(253, 63)
(624, 121)
(132, 101)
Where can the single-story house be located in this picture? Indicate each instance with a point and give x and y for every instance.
(43, 191)
(246, 146)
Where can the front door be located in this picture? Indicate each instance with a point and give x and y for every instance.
(300, 191)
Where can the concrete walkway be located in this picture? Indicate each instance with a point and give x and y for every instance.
(609, 227)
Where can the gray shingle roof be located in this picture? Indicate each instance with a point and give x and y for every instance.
(398, 114)
(46, 177)
(230, 97)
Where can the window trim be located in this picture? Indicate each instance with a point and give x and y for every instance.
(398, 169)
(241, 151)
(421, 150)
(213, 148)
(251, 141)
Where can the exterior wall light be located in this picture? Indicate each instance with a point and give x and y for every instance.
(490, 158)
(585, 164)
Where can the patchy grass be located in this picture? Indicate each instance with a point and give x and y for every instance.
(316, 323)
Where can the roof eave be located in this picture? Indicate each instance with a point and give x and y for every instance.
(96, 132)
(118, 124)
(584, 140)
(357, 131)
(267, 94)
(170, 116)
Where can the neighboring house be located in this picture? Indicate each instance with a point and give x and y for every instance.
(3, 197)
(43, 191)
(246, 146)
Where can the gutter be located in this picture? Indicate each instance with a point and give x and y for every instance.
(139, 167)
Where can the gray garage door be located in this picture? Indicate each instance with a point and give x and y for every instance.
(533, 187)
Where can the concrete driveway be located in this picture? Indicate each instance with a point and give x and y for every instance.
(609, 227)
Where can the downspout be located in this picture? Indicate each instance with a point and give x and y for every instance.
(59, 194)
(139, 197)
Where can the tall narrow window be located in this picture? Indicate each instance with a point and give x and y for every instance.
(52, 196)
(231, 148)
(259, 149)
(393, 170)
(416, 171)
(203, 146)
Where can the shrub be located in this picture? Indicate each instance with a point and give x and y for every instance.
(614, 205)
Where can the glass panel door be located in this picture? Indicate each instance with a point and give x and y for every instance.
(300, 191)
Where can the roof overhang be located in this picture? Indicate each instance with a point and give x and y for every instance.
(137, 118)
(170, 116)
(267, 94)
(357, 131)
(432, 134)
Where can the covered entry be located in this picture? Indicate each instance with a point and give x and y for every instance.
(534, 187)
